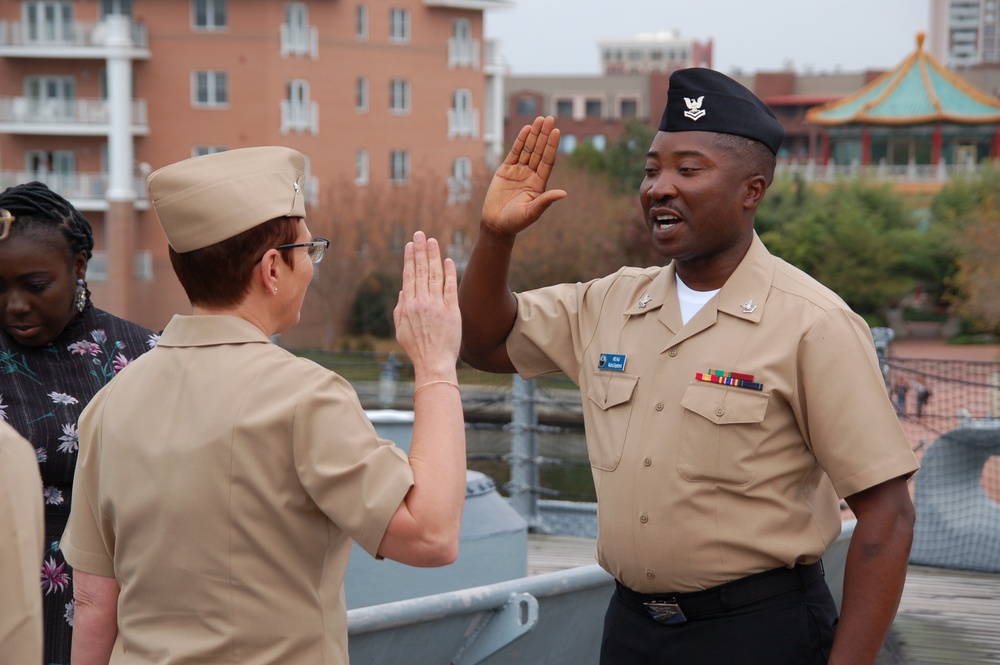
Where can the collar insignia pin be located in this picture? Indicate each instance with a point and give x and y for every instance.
(644, 300)
(748, 306)
(694, 108)
(296, 186)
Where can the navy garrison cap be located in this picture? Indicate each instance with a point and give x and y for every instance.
(703, 100)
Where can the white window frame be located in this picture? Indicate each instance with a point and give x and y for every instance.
(399, 25)
(297, 36)
(361, 166)
(399, 96)
(47, 22)
(298, 113)
(216, 15)
(212, 78)
(463, 50)
(50, 98)
(113, 7)
(463, 120)
(399, 167)
(361, 23)
(460, 182)
(361, 94)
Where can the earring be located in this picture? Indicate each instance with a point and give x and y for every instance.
(80, 296)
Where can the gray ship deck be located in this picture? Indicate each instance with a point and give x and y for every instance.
(946, 616)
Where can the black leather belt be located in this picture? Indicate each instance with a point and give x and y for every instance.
(676, 608)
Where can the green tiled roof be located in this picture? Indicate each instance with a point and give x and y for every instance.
(918, 91)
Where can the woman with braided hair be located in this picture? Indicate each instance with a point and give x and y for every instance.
(56, 351)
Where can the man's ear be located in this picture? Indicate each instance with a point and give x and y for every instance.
(756, 186)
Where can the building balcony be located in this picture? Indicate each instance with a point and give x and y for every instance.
(86, 191)
(65, 117)
(299, 41)
(459, 190)
(299, 118)
(463, 123)
(77, 40)
(463, 53)
(493, 62)
(97, 267)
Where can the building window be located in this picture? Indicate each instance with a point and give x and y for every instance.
(208, 14)
(202, 150)
(298, 113)
(361, 167)
(599, 141)
(111, 7)
(593, 108)
(564, 108)
(48, 22)
(463, 50)
(399, 166)
(209, 89)
(47, 98)
(628, 108)
(527, 106)
(361, 94)
(399, 96)
(567, 143)
(460, 182)
(399, 25)
(361, 22)
(297, 36)
(463, 120)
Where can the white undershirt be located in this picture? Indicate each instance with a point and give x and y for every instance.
(691, 301)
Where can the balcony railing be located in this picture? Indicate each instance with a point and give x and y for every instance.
(459, 190)
(811, 172)
(463, 53)
(78, 34)
(299, 40)
(86, 191)
(463, 123)
(97, 267)
(299, 118)
(22, 113)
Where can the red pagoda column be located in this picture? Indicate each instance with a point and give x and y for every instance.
(995, 148)
(936, 145)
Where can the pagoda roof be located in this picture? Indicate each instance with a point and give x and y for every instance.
(919, 90)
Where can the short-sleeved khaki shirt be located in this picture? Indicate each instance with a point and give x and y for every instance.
(22, 532)
(220, 481)
(701, 483)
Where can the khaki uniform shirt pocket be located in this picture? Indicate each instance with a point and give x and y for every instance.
(612, 393)
(720, 433)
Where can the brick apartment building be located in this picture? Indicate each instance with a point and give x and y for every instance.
(95, 94)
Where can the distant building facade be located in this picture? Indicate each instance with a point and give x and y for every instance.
(964, 32)
(95, 95)
(653, 52)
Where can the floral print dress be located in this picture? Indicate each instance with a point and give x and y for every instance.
(42, 392)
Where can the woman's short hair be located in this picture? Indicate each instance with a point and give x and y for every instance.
(37, 209)
(220, 275)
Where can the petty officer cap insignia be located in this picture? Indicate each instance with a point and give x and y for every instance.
(205, 200)
(703, 100)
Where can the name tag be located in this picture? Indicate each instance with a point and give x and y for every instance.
(611, 362)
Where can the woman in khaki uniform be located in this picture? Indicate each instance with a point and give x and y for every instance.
(222, 481)
(22, 533)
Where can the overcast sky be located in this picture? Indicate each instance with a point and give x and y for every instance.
(560, 36)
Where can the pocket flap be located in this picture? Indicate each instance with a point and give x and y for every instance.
(724, 405)
(608, 389)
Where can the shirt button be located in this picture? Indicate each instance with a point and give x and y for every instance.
(643, 518)
(649, 574)
(672, 353)
(720, 411)
(647, 462)
(659, 406)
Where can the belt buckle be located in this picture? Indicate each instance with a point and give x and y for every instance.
(669, 614)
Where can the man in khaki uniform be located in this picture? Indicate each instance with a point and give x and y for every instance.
(729, 400)
(22, 531)
(221, 481)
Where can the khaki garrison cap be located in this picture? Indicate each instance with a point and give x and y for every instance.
(205, 200)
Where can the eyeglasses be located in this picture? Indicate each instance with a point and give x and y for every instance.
(7, 219)
(315, 248)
